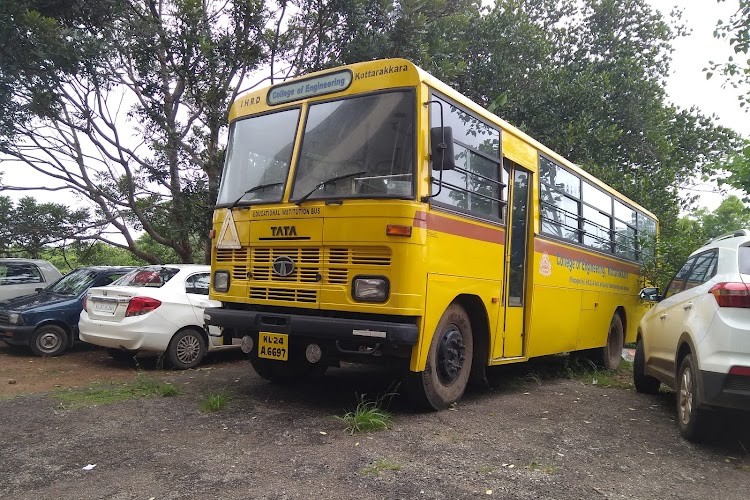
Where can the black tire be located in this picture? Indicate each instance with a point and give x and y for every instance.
(690, 417)
(186, 349)
(449, 359)
(645, 384)
(610, 355)
(120, 355)
(49, 340)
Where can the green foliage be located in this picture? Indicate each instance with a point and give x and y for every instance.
(215, 401)
(736, 69)
(380, 466)
(142, 387)
(368, 416)
(29, 227)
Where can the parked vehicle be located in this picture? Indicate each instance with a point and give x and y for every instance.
(696, 339)
(47, 321)
(154, 309)
(23, 276)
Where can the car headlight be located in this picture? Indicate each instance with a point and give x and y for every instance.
(370, 288)
(221, 281)
(15, 319)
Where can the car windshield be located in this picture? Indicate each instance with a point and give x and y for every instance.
(258, 158)
(358, 147)
(74, 283)
(152, 276)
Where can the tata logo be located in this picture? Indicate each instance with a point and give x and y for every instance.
(283, 266)
(283, 231)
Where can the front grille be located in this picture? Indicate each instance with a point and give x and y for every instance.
(312, 266)
(283, 294)
(737, 383)
(306, 264)
(341, 261)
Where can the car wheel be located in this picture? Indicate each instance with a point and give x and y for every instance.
(50, 340)
(690, 417)
(643, 383)
(444, 379)
(186, 350)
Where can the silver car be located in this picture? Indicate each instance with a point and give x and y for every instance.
(24, 276)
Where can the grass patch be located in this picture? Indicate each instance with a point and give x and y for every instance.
(215, 401)
(379, 467)
(587, 372)
(98, 394)
(368, 416)
(560, 366)
(546, 468)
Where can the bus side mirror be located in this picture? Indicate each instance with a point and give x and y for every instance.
(441, 148)
(650, 293)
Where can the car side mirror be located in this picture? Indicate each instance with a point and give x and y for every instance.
(650, 293)
(441, 148)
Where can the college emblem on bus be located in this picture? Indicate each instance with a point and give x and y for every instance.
(545, 265)
(283, 266)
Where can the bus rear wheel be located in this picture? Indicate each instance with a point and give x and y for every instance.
(610, 355)
(444, 379)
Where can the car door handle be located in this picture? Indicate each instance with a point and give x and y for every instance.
(663, 316)
(688, 306)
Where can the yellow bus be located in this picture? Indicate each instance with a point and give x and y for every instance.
(370, 213)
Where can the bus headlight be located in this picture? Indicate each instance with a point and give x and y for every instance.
(370, 288)
(221, 281)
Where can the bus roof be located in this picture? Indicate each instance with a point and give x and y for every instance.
(395, 73)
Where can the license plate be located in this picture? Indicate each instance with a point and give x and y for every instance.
(105, 307)
(273, 346)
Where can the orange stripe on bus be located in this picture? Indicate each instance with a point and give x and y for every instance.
(435, 222)
(561, 250)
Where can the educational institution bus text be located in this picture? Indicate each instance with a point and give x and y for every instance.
(370, 213)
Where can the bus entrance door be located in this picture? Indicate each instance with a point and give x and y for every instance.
(515, 264)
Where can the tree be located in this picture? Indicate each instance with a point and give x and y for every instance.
(166, 72)
(736, 70)
(29, 227)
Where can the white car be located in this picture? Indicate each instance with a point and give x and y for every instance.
(696, 338)
(153, 309)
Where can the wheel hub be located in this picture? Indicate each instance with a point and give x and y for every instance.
(686, 397)
(188, 349)
(48, 342)
(450, 355)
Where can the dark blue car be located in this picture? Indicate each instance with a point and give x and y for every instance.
(47, 321)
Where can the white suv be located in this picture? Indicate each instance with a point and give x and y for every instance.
(696, 339)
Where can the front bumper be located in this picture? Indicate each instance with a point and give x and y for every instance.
(16, 335)
(318, 327)
(726, 391)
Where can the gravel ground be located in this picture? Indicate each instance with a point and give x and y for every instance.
(525, 437)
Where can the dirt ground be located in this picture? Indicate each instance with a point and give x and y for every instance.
(524, 438)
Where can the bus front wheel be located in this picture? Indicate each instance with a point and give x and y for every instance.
(444, 379)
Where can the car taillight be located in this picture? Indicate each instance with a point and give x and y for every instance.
(141, 305)
(731, 294)
(743, 371)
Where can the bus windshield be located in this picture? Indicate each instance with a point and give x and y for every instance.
(258, 158)
(358, 147)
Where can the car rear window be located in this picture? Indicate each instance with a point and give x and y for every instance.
(152, 276)
(17, 273)
(743, 255)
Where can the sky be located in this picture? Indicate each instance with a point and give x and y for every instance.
(687, 85)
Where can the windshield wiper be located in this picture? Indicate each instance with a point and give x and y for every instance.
(328, 181)
(252, 190)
